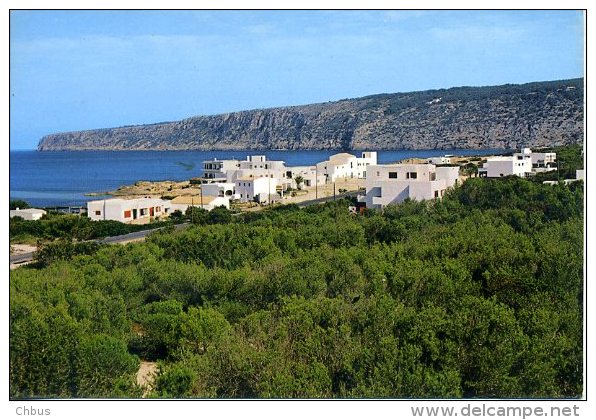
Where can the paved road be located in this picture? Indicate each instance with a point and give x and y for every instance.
(28, 257)
(21, 258)
(135, 236)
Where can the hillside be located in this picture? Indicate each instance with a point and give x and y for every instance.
(509, 116)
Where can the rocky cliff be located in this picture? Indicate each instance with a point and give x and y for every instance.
(508, 116)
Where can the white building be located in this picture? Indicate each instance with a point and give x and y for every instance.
(346, 165)
(519, 164)
(259, 167)
(440, 160)
(309, 175)
(260, 189)
(392, 184)
(136, 210)
(28, 214)
(219, 189)
(543, 160)
(217, 169)
(207, 202)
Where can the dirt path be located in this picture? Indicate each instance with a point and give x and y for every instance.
(18, 249)
(146, 377)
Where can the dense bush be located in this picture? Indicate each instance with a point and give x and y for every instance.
(478, 295)
(72, 227)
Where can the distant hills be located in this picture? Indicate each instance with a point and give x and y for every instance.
(537, 114)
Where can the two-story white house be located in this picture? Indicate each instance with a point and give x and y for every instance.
(262, 190)
(216, 169)
(310, 176)
(346, 165)
(520, 164)
(544, 161)
(394, 183)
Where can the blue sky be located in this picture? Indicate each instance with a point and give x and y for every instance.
(74, 70)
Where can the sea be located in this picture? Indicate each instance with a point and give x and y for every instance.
(52, 179)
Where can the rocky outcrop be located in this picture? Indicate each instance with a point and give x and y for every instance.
(509, 116)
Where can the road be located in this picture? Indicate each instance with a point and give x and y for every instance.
(327, 199)
(134, 236)
(16, 260)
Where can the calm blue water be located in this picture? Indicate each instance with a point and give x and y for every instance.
(46, 179)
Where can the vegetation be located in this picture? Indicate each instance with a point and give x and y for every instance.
(477, 295)
(70, 227)
(18, 204)
(569, 159)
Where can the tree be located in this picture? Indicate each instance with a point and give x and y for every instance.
(14, 204)
(299, 180)
(219, 215)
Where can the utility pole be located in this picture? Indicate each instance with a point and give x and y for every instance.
(269, 184)
(333, 190)
(202, 193)
(316, 182)
(192, 208)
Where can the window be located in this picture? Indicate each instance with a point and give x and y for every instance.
(436, 194)
(433, 176)
(519, 157)
(127, 214)
(392, 175)
(412, 175)
(98, 212)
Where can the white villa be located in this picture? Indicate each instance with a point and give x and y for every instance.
(310, 176)
(544, 162)
(392, 184)
(28, 214)
(136, 210)
(519, 164)
(346, 165)
(440, 160)
(217, 169)
(260, 189)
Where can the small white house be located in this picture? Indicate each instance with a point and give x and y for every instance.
(440, 160)
(520, 164)
(28, 214)
(392, 184)
(346, 165)
(261, 190)
(310, 176)
(207, 202)
(135, 210)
